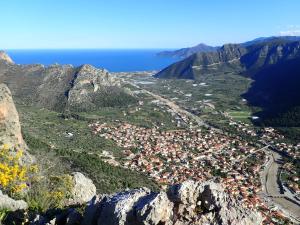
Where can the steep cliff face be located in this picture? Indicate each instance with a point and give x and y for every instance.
(267, 54)
(225, 59)
(233, 58)
(10, 128)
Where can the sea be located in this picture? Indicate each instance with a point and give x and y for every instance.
(112, 59)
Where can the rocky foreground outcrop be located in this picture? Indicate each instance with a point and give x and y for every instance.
(10, 204)
(189, 203)
(10, 128)
(83, 190)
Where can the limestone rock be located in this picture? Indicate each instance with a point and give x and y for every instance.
(154, 209)
(189, 203)
(10, 128)
(118, 209)
(9, 119)
(4, 57)
(83, 191)
(8, 203)
(185, 193)
(213, 204)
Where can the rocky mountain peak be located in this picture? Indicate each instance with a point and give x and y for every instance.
(96, 77)
(5, 57)
(90, 68)
(233, 50)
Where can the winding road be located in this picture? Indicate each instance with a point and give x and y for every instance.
(271, 189)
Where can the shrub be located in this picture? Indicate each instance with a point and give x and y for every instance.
(14, 177)
(49, 193)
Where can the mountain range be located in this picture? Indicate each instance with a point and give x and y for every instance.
(186, 52)
(272, 63)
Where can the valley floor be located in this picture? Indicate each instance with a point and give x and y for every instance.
(177, 130)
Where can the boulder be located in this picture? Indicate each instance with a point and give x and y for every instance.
(11, 204)
(118, 209)
(83, 190)
(207, 202)
(154, 209)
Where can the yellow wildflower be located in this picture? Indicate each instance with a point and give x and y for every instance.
(13, 175)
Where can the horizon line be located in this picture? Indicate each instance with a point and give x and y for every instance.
(10, 49)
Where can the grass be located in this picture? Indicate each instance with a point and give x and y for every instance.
(243, 116)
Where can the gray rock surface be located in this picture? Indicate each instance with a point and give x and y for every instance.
(154, 209)
(83, 191)
(189, 203)
(118, 209)
(10, 204)
(208, 203)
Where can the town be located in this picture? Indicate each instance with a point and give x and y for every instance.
(175, 156)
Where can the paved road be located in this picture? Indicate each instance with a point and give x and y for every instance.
(271, 188)
(247, 156)
(172, 105)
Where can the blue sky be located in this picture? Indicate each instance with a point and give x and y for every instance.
(142, 23)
